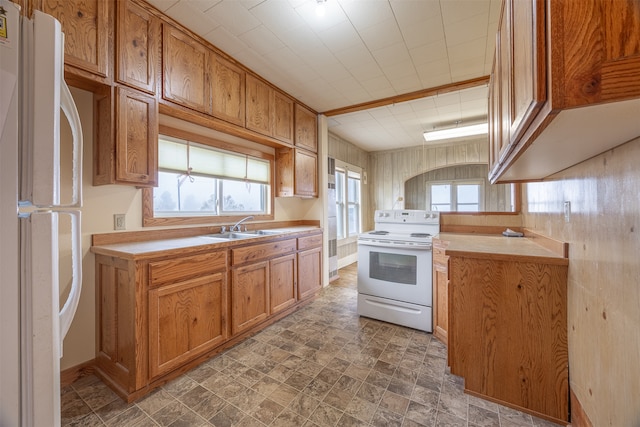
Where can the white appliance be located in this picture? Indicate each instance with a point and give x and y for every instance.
(32, 327)
(395, 268)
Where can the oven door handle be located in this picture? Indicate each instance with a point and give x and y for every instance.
(399, 245)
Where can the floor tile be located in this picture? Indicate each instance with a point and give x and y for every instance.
(321, 366)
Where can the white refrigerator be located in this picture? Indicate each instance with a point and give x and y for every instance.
(32, 325)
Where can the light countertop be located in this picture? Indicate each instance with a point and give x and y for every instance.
(496, 246)
(178, 246)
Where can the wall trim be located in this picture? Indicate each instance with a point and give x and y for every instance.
(348, 260)
(579, 417)
(74, 373)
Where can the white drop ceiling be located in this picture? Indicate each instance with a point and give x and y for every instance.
(359, 51)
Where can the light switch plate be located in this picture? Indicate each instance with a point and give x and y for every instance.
(567, 211)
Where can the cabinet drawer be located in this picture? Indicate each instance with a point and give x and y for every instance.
(309, 242)
(179, 269)
(262, 251)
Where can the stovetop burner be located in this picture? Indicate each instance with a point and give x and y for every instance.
(379, 233)
(421, 235)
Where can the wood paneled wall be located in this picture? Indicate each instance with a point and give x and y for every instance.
(497, 198)
(388, 170)
(341, 149)
(604, 276)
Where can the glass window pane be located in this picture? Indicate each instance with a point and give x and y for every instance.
(468, 193)
(354, 219)
(181, 193)
(353, 190)
(339, 187)
(240, 196)
(441, 194)
(340, 224)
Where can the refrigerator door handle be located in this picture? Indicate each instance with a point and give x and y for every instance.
(70, 306)
(68, 106)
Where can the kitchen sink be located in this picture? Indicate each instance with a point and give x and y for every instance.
(236, 235)
(230, 236)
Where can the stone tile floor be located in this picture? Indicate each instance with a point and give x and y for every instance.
(321, 366)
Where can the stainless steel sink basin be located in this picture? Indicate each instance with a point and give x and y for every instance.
(230, 236)
(268, 232)
(236, 235)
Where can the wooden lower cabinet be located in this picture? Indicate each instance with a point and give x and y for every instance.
(309, 265)
(508, 331)
(162, 313)
(440, 291)
(186, 319)
(249, 296)
(282, 283)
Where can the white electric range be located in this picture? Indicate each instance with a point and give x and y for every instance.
(395, 268)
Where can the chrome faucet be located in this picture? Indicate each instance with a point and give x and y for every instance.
(236, 226)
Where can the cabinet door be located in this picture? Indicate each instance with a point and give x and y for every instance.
(282, 284)
(601, 54)
(527, 52)
(86, 25)
(441, 289)
(137, 51)
(258, 105)
(227, 90)
(282, 127)
(249, 296)
(119, 334)
(184, 60)
(503, 58)
(494, 120)
(309, 272)
(306, 174)
(306, 129)
(136, 138)
(186, 319)
(508, 332)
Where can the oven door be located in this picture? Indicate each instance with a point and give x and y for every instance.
(398, 272)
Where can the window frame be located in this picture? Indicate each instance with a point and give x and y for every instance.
(150, 220)
(346, 168)
(454, 194)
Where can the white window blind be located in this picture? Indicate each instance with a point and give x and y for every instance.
(178, 155)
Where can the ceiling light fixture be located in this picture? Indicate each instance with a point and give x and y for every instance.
(320, 8)
(456, 132)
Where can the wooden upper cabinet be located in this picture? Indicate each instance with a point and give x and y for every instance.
(306, 174)
(601, 60)
(227, 90)
(185, 74)
(136, 138)
(258, 105)
(137, 42)
(306, 129)
(553, 57)
(87, 25)
(296, 173)
(269, 111)
(282, 119)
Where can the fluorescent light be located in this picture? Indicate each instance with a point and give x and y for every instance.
(457, 132)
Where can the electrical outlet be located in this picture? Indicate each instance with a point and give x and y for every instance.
(567, 211)
(119, 222)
